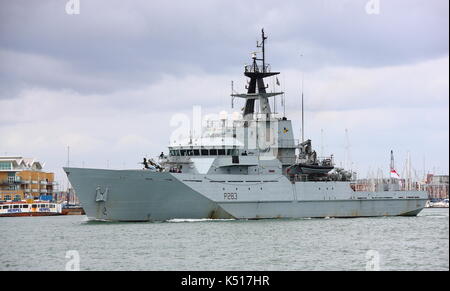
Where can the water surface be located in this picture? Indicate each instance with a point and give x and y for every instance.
(400, 243)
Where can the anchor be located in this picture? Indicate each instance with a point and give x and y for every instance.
(101, 196)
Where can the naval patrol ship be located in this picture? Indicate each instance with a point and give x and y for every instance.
(246, 167)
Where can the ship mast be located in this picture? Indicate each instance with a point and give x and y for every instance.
(262, 45)
(256, 89)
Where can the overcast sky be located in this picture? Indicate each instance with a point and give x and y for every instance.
(107, 81)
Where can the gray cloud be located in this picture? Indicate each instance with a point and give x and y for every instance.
(115, 44)
(107, 81)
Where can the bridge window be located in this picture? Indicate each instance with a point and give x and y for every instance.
(196, 152)
(213, 152)
(183, 152)
(232, 152)
(205, 152)
(221, 152)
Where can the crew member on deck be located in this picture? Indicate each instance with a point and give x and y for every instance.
(145, 164)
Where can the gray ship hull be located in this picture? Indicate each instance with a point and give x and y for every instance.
(141, 195)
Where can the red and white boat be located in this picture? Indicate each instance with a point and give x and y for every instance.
(24, 208)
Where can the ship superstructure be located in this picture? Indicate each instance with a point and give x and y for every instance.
(248, 167)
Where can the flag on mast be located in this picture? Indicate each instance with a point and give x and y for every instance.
(394, 174)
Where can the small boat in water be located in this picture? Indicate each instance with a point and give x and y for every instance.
(25, 208)
(72, 209)
(437, 204)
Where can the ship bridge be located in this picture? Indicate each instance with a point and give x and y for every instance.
(252, 138)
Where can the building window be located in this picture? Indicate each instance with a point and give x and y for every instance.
(7, 197)
(5, 166)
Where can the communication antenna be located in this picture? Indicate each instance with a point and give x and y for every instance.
(303, 112)
(321, 142)
(68, 154)
(261, 45)
(283, 98)
(232, 92)
(347, 150)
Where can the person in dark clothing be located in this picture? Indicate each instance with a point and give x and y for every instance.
(145, 163)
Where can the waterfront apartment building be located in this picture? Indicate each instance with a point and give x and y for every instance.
(23, 178)
(437, 186)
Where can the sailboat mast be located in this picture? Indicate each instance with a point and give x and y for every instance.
(303, 116)
(303, 112)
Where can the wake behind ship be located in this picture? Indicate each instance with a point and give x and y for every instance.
(250, 167)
